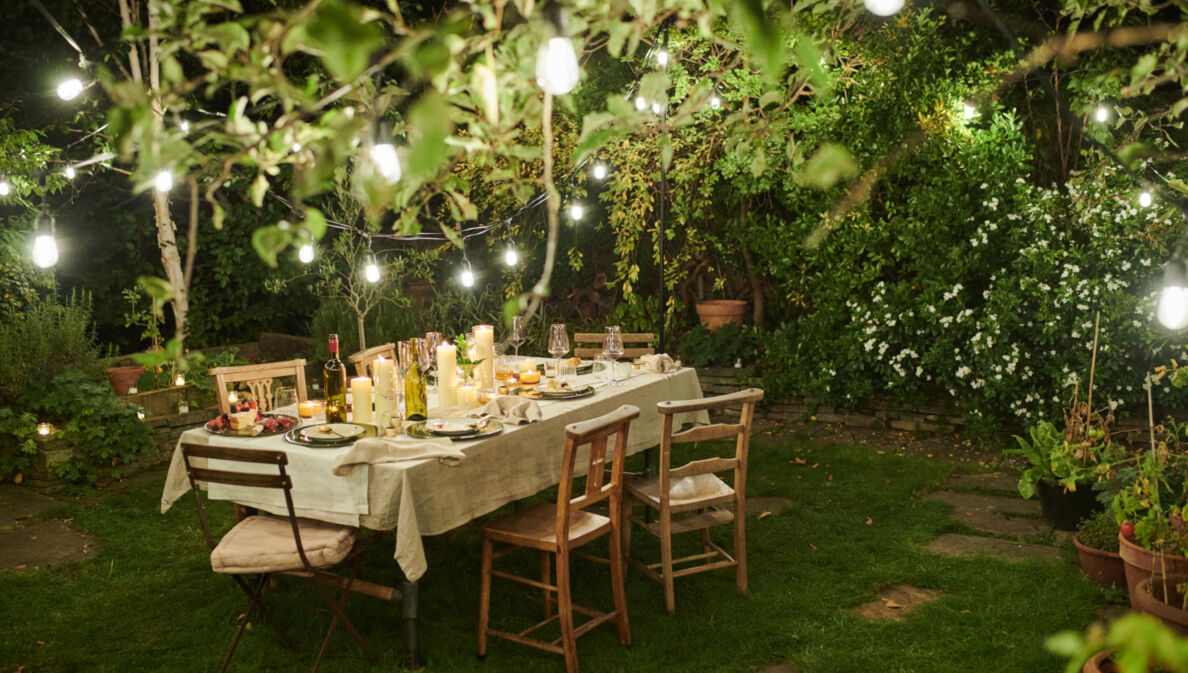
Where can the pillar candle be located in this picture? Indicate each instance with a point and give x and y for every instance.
(447, 367)
(527, 365)
(383, 369)
(468, 397)
(484, 340)
(361, 394)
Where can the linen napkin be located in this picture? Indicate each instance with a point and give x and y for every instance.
(373, 450)
(659, 363)
(509, 409)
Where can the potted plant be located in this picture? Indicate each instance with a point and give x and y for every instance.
(1153, 537)
(715, 313)
(1163, 597)
(1062, 473)
(1097, 549)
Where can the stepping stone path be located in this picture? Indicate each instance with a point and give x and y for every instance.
(895, 602)
(952, 544)
(993, 514)
(26, 543)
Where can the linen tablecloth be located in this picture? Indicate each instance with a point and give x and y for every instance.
(426, 497)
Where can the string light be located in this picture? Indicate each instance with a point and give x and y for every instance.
(1102, 115)
(383, 153)
(656, 108)
(511, 257)
(576, 212)
(557, 70)
(4, 187)
(372, 270)
(163, 182)
(715, 101)
(969, 112)
(662, 58)
(598, 171)
(184, 125)
(1173, 301)
(467, 277)
(296, 147)
(306, 253)
(640, 103)
(45, 248)
(1144, 199)
(883, 7)
(69, 172)
(70, 89)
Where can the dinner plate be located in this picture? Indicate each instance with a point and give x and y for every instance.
(541, 392)
(336, 432)
(421, 431)
(452, 426)
(286, 423)
(297, 436)
(585, 367)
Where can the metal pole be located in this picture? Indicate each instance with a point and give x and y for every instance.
(662, 212)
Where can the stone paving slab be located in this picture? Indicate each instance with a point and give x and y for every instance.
(952, 544)
(18, 502)
(42, 544)
(990, 481)
(991, 503)
(895, 602)
(769, 504)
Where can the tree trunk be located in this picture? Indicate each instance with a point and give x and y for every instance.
(171, 260)
(362, 338)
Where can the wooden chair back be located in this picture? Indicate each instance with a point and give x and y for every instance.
(741, 430)
(363, 359)
(258, 379)
(589, 344)
(596, 433)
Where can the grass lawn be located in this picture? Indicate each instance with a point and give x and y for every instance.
(148, 600)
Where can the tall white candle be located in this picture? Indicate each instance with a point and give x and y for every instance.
(447, 366)
(361, 395)
(484, 341)
(383, 369)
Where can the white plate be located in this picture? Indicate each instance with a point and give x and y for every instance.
(338, 431)
(451, 426)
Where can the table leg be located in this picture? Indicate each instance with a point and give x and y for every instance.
(408, 591)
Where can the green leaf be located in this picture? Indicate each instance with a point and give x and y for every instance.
(770, 98)
(762, 37)
(666, 151)
(1143, 67)
(654, 86)
(230, 36)
(218, 216)
(428, 126)
(1027, 482)
(451, 234)
(338, 34)
(258, 189)
(315, 222)
(268, 242)
(830, 164)
(758, 163)
(159, 289)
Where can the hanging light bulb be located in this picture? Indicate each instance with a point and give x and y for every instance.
(576, 211)
(69, 172)
(656, 108)
(45, 248)
(70, 89)
(969, 112)
(1102, 114)
(184, 125)
(297, 147)
(467, 277)
(163, 182)
(883, 7)
(306, 253)
(383, 157)
(557, 69)
(1144, 199)
(511, 257)
(372, 271)
(640, 103)
(1173, 302)
(599, 170)
(715, 101)
(4, 187)
(662, 58)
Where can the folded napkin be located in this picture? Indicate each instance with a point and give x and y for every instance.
(509, 409)
(373, 450)
(659, 363)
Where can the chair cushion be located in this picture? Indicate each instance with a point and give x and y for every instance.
(262, 544)
(538, 524)
(683, 491)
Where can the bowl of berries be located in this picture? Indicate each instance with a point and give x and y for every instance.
(246, 420)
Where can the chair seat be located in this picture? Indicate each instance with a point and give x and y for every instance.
(684, 492)
(264, 544)
(536, 526)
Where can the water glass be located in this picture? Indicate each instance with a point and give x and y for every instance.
(612, 347)
(516, 337)
(284, 400)
(558, 344)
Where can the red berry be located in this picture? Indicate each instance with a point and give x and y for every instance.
(1127, 529)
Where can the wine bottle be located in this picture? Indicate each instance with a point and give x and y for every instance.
(416, 404)
(334, 375)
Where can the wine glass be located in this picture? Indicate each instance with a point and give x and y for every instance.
(407, 353)
(284, 400)
(516, 337)
(558, 344)
(612, 347)
(432, 341)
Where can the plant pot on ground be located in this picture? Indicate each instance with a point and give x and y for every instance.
(1142, 564)
(717, 312)
(1160, 596)
(1064, 467)
(1064, 508)
(1097, 549)
(123, 378)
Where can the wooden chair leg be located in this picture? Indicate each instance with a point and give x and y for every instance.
(565, 613)
(485, 596)
(740, 546)
(546, 577)
(617, 572)
(666, 561)
(625, 526)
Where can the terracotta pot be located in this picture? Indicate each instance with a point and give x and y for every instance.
(123, 378)
(1143, 563)
(1062, 509)
(1100, 663)
(1099, 565)
(1148, 598)
(717, 312)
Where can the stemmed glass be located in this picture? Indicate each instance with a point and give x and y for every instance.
(558, 344)
(516, 337)
(612, 347)
(432, 341)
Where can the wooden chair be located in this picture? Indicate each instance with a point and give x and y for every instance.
(363, 359)
(557, 530)
(259, 381)
(691, 497)
(261, 546)
(589, 344)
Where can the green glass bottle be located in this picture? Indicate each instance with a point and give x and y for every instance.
(416, 404)
(334, 373)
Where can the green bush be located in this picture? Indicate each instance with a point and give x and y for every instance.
(386, 322)
(724, 347)
(46, 336)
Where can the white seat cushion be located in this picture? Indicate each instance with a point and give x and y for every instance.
(263, 544)
(683, 491)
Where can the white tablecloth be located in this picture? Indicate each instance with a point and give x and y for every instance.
(426, 497)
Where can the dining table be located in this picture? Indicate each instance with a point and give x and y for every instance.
(430, 496)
